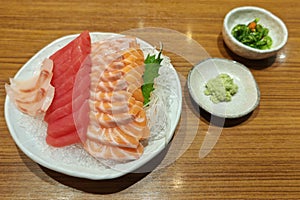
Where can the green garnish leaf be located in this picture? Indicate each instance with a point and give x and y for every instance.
(152, 65)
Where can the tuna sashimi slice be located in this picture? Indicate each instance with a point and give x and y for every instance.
(62, 126)
(64, 97)
(71, 80)
(70, 71)
(62, 111)
(65, 140)
(66, 57)
(75, 121)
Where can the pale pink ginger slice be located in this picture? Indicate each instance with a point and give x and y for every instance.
(34, 95)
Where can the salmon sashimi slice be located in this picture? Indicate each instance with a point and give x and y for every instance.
(108, 76)
(33, 96)
(139, 115)
(138, 95)
(109, 152)
(135, 113)
(119, 84)
(117, 119)
(110, 120)
(114, 96)
(98, 98)
(129, 79)
(113, 107)
(135, 130)
(100, 63)
(113, 45)
(129, 82)
(112, 136)
(133, 56)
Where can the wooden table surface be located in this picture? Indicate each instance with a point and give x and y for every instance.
(257, 158)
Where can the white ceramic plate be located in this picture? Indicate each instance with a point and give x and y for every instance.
(29, 133)
(242, 103)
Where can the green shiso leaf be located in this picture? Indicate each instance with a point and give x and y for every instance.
(152, 65)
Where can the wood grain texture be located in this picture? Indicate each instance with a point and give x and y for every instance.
(259, 158)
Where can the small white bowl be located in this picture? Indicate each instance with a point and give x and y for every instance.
(243, 15)
(242, 103)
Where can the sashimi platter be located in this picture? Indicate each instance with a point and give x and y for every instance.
(94, 105)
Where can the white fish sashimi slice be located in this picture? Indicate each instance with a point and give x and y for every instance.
(33, 96)
(37, 81)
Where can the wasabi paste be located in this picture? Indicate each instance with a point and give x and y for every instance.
(221, 88)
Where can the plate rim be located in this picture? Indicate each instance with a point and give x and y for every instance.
(61, 169)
